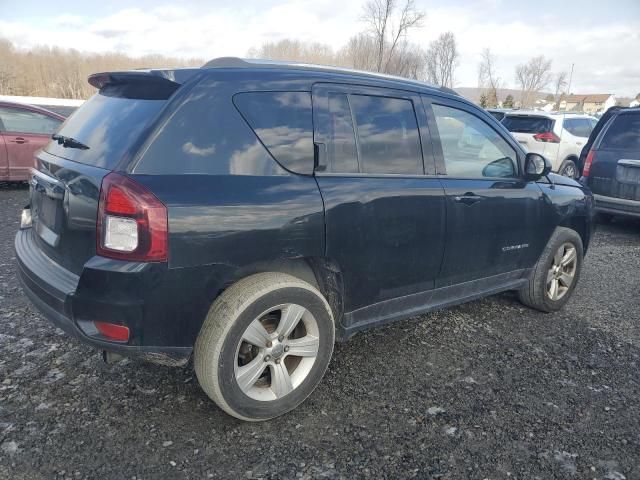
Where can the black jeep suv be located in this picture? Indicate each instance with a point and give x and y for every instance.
(250, 213)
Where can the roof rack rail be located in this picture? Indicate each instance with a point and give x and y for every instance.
(236, 62)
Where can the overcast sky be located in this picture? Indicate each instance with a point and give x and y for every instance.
(602, 38)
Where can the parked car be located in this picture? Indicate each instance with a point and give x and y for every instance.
(498, 113)
(250, 213)
(23, 130)
(612, 163)
(558, 136)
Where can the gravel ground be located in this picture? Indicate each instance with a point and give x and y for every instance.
(486, 390)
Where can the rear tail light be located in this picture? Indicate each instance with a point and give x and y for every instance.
(547, 137)
(112, 331)
(586, 170)
(132, 222)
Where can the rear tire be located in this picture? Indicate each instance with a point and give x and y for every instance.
(556, 273)
(264, 346)
(569, 169)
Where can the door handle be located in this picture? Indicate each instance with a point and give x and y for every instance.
(468, 198)
(18, 140)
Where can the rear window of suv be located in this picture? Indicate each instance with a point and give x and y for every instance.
(527, 124)
(624, 133)
(109, 126)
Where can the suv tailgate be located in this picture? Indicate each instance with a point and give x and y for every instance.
(106, 132)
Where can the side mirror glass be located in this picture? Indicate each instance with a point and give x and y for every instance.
(536, 166)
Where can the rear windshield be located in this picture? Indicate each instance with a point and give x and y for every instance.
(624, 133)
(527, 124)
(108, 125)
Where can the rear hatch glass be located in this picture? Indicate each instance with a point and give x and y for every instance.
(615, 171)
(527, 124)
(624, 133)
(109, 125)
(106, 130)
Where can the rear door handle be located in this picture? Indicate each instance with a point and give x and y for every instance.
(468, 198)
(18, 140)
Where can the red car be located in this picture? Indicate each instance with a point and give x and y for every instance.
(23, 130)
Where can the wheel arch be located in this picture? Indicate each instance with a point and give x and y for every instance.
(579, 224)
(321, 272)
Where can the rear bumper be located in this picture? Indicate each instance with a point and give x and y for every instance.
(53, 291)
(617, 206)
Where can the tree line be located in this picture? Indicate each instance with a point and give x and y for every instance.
(382, 46)
(62, 73)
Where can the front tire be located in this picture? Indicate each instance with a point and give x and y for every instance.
(264, 346)
(556, 273)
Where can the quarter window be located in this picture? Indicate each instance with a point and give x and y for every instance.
(26, 121)
(471, 148)
(283, 123)
(387, 135)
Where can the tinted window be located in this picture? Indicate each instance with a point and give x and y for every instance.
(26, 121)
(283, 123)
(341, 147)
(580, 127)
(109, 126)
(471, 148)
(527, 124)
(624, 133)
(497, 115)
(387, 133)
(206, 135)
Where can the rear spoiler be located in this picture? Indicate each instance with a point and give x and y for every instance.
(142, 84)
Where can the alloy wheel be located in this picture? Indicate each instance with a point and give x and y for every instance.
(569, 171)
(562, 272)
(277, 352)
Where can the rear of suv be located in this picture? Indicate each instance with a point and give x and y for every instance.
(558, 136)
(250, 213)
(612, 164)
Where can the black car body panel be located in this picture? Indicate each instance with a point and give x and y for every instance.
(378, 246)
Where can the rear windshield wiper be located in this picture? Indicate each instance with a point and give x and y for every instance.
(69, 142)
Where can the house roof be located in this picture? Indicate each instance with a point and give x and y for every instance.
(588, 98)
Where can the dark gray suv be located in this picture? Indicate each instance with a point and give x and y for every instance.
(250, 213)
(612, 163)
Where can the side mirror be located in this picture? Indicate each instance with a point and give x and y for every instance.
(536, 166)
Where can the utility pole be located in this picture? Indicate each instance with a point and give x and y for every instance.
(569, 86)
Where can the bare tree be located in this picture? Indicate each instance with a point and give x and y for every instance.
(389, 30)
(295, 50)
(560, 83)
(532, 77)
(62, 73)
(360, 52)
(442, 59)
(488, 78)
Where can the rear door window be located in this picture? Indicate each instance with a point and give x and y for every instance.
(528, 124)
(387, 135)
(624, 133)
(341, 147)
(283, 123)
(109, 125)
(26, 121)
(579, 127)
